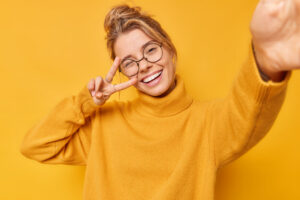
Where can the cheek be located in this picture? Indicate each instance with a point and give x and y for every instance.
(169, 67)
(167, 64)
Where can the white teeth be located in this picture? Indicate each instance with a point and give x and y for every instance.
(146, 80)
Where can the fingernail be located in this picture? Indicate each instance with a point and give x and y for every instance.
(93, 93)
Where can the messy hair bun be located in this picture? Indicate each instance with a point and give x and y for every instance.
(122, 18)
(118, 14)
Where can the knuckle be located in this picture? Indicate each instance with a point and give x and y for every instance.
(99, 95)
(98, 101)
(98, 78)
(91, 84)
(99, 81)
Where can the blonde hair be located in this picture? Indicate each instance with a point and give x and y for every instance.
(122, 18)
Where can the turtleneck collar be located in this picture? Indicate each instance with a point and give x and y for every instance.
(172, 103)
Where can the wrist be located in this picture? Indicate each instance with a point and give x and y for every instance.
(266, 73)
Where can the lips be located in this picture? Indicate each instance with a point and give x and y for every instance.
(150, 75)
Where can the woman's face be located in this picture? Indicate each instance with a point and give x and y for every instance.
(130, 43)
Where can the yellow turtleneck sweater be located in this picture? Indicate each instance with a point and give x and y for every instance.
(157, 148)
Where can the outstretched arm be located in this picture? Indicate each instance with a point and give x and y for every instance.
(246, 114)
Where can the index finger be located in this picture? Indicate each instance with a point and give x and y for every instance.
(113, 69)
(125, 85)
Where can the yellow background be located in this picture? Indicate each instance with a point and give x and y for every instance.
(50, 49)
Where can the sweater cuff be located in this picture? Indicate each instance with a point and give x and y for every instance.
(86, 102)
(259, 88)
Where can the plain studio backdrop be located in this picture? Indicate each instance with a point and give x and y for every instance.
(51, 49)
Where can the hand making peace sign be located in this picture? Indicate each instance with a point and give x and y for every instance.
(101, 89)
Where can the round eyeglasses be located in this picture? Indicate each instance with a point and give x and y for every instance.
(152, 52)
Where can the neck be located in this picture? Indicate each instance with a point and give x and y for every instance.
(173, 101)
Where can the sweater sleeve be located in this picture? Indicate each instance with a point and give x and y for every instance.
(246, 114)
(63, 136)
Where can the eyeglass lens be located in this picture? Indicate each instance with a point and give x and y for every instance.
(152, 53)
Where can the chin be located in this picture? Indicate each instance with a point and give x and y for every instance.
(157, 91)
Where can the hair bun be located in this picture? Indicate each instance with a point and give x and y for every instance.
(118, 15)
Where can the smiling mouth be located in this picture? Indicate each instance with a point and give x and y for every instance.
(152, 78)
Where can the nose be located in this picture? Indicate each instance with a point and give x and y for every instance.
(144, 65)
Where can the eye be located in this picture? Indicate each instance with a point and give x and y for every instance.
(126, 64)
(151, 49)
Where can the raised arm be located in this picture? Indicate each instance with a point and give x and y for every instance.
(246, 114)
(64, 135)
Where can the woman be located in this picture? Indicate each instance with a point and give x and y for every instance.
(163, 145)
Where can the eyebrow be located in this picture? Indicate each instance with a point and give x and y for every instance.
(128, 56)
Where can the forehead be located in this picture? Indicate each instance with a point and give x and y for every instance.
(130, 42)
